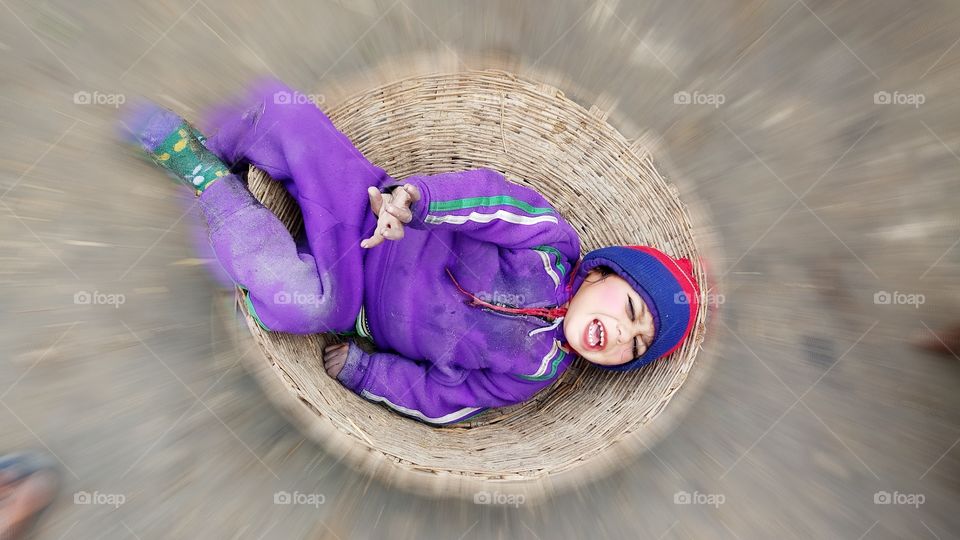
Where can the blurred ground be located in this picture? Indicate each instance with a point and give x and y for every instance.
(823, 193)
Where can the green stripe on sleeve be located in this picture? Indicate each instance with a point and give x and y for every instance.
(551, 374)
(477, 202)
(556, 253)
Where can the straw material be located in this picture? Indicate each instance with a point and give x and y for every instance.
(610, 192)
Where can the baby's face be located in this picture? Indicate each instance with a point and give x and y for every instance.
(607, 322)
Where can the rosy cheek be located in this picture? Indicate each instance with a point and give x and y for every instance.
(608, 298)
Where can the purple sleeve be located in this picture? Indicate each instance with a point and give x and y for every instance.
(429, 394)
(481, 203)
(283, 288)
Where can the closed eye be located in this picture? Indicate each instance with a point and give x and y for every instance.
(633, 317)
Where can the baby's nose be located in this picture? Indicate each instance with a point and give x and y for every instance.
(621, 334)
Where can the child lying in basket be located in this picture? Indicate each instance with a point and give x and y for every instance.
(471, 287)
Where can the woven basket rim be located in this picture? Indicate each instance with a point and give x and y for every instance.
(349, 440)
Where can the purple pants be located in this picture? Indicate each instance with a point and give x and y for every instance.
(313, 283)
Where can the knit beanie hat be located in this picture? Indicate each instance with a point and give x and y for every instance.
(667, 285)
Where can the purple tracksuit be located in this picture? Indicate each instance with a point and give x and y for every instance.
(441, 359)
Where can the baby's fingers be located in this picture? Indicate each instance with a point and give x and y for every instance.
(390, 227)
(373, 241)
(402, 213)
(376, 199)
(412, 191)
(376, 239)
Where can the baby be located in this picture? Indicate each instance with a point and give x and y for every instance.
(471, 287)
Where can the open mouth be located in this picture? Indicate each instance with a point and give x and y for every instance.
(595, 336)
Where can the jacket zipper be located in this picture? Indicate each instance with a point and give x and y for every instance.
(383, 277)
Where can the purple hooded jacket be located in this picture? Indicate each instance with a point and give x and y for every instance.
(441, 359)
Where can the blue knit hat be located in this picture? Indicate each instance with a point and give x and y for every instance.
(667, 286)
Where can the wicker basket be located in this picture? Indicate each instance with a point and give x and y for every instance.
(609, 191)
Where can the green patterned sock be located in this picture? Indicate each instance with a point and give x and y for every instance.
(182, 153)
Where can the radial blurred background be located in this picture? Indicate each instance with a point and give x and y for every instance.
(817, 143)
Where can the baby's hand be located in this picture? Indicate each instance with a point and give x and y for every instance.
(392, 210)
(334, 357)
